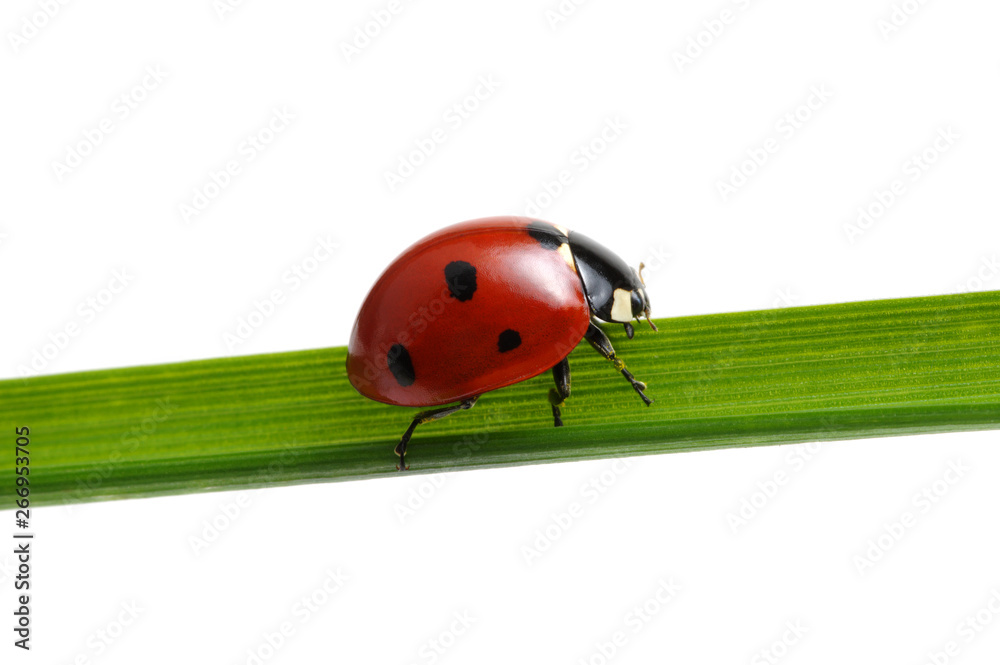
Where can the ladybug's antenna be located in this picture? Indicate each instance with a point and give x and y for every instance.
(646, 311)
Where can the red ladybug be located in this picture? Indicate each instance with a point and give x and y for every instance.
(486, 303)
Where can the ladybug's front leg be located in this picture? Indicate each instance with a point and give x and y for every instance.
(558, 395)
(600, 341)
(427, 416)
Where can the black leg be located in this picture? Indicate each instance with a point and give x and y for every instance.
(600, 341)
(558, 395)
(427, 416)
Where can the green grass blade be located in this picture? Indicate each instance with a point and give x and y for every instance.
(866, 369)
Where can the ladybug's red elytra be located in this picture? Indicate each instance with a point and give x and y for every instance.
(486, 303)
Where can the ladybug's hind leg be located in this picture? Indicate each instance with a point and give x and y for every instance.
(427, 416)
(558, 395)
(600, 341)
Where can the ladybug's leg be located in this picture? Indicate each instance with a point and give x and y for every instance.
(427, 416)
(600, 341)
(558, 395)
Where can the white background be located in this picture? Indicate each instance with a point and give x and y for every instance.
(652, 192)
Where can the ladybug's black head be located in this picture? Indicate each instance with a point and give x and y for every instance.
(615, 291)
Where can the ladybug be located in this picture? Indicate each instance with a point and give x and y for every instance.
(484, 304)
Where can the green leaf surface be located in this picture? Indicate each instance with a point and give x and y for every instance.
(842, 371)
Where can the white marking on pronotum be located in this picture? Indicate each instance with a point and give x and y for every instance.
(621, 310)
(567, 255)
(562, 229)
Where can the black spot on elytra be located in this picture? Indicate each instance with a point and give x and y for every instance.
(461, 279)
(401, 365)
(508, 339)
(547, 235)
